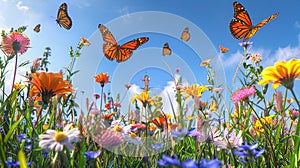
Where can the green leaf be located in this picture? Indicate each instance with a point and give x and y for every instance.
(21, 158)
(11, 130)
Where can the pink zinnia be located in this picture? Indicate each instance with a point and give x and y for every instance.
(14, 43)
(243, 93)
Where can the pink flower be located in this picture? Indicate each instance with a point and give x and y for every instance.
(15, 42)
(243, 93)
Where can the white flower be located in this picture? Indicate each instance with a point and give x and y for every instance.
(132, 138)
(232, 139)
(57, 139)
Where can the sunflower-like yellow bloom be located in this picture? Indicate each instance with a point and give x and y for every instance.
(48, 84)
(195, 90)
(144, 98)
(282, 73)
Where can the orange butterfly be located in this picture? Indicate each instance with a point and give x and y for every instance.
(223, 49)
(37, 28)
(63, 19)
(241, 26)
(185, 34)
(166, 50)
(112, 50)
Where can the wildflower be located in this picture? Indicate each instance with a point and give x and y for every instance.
(258, 126)
(195, 90)
(35, 65)
(45, 154)
(177, 70)
(132, 138)
(169, 161)
(56, 139)
(14, 43)
(282, 73)
(19, 86)
(96, 96)
(215, 163)
(84, 41)
(127, 86)
(108, 138)
(248, 152)
(279, 101)
(17, 164)
(205, 63)
(49, 84)
(243, 94)
(256, 58)
(213, 106)
(246, 44)
(179, 133)
(102, 79)
(144, 98)
(157, 146)
(294, 114)
(230, 138)
(217, 90)
(92, 154)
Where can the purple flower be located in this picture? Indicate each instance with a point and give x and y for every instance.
(243, 93)
(246, 44)
(215, 163)
(92, 154)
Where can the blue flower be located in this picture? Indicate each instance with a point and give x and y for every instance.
(157, 146)
(248, 152)
(215, 163)
(45, 154)
(169, 161)
(17, 164)
(92, 154)
(179, 134)
(189, 163)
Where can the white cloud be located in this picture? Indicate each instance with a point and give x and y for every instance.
(297, 25)
(22, 7)
(232, 60)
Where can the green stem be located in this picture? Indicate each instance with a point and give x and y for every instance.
(15, 72)
(296, 139)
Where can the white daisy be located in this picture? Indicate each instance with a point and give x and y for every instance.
(57, 139)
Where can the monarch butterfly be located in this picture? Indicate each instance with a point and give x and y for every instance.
(166, 50)
(112, 50)
(185, 35)
(241, 26)
(223, 49)
(63, 19)
(37, 28)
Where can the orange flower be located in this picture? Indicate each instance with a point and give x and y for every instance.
(84, 41)
(102, 78)
(144, 98)
(49, 84)
(282, 73)
(205, 63)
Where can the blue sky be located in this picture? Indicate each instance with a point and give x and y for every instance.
(278, 40)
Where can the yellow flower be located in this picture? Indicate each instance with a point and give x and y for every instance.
(48, 84)
(205, 63)
(213, 106)
(282, 73)
(19, 86)
(195, 90)
(258, 126)
(144, 98)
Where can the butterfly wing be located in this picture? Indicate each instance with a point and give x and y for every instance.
(125, 51)
(37, 28)
(185, 35)
(63, 19)
(241, 24)
(110, 46)
(166, 50)
(254, 29)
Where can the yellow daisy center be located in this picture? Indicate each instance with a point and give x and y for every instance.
(60, 136)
